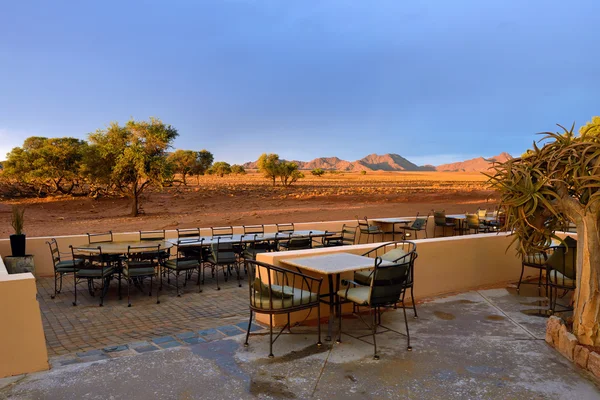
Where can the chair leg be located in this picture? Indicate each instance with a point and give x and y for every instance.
(271, 336)
(198, 281)
(408, 347)
(520, 277)
(248, 331)
(319, 344)
(414, 303)
(177, 283)
(120, 297)
(217, 273)
(75, 288)
(374, 331)
(129, 283)
(339, 315)
(55, 278)
(540, 280)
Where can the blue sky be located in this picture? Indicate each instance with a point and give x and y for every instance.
(434, 81)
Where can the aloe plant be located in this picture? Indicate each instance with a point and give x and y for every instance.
(544, 188)
(17, 219)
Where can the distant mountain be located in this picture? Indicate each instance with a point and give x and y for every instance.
(389, 162)
(474, 165)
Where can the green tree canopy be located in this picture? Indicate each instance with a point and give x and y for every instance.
(288, 173)
(52, 163)
(317, 172)
(238, 169)
(220, 168)
(134, 155)
(184, 162)
(204, 160)
(268, 165)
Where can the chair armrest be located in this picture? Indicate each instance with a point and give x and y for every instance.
(348, 282)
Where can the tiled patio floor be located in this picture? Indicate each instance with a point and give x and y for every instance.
(87, 326)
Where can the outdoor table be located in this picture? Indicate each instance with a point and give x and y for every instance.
(117, 248)
(332, 265)
(393, 222)
(247, 238)
(462, 217)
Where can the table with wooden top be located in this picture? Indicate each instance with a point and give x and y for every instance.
(332, 265)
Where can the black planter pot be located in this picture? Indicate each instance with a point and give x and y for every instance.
(17, 245)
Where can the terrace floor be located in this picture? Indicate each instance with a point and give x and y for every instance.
(480, 344)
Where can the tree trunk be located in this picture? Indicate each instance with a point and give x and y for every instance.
(134, 201)
(586, 313)
(184, 182)
(274, 180)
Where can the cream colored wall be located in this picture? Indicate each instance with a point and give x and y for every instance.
(444, 265)
(43, 261)
(22, 341)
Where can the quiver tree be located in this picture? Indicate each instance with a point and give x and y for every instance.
(551, 185)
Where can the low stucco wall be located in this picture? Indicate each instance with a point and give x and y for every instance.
(43, 261)
(22, 341)
(444, 265)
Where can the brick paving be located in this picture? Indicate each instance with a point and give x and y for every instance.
(87, 326)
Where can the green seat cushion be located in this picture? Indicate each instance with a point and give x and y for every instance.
(394, 255)
(563, 258)
(68, 264)
(94, 272)
(147, 271)
(300, 298)
(559, 279)
(363, 277)
(182, 264)
(277, 290)
(359, 295)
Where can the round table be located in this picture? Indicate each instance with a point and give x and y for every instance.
(123, 247)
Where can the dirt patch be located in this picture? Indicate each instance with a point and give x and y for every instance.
(444, 315)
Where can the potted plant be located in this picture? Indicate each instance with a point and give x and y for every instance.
(17, 240)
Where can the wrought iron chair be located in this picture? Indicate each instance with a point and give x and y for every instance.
(297, 243)
(152, 235)
(386, 289)
(223, 255)
(185, 261)
(474, 224)
(364, 228)
(255, 248)
(397, 252)
(285, 228)
(104, 237)
(418, 225)
(275, 290)
(347, 236)
(95, 265)
(142, 262)
(190, 234)
(535, 260)
(61, 267)
(561, 272)
(440, 221)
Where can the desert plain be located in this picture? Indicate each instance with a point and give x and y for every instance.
(251, 199)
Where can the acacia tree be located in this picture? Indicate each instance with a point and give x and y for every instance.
(184, 162)
(204, 160)
(47, 163)
(220, 168)
(268, 165)
(238, 169)
(288, 173)
(132, 157)
(547, 185)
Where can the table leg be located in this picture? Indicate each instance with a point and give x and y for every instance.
(331, 307)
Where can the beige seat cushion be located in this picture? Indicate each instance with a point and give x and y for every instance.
(300, 298)
(394, 255)
(559, 279)
(534, 258)
(363, 277)
(359, 295)
(277, 290)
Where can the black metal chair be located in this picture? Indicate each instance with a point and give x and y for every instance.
(223, 255)
(142, 262)
(275, 290)
(185, 261)
(364, 228)
(297, 243)
(387, 288)
(418, 225)
(152, 235)
(251, 250)
(402, 252)
(104, 237)
(95, 265)
(61, 267)
(535, 260)
(221, 231)
(440, 221)
(561, 272)
(346, 236)
(474, 224)
(188, 233)
(285, 228)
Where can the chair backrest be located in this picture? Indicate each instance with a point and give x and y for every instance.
(143, 253)
(223, 253)
(105, 237)
(188, 232)
(152, 235)
(259, 244)
(300, 243)
(92, 256)
(564, 258)
(482, 212)
(348, 234)
(472, 221)
(439, 217)
(254, 229)
(285, 227)
(189, 249)
(222, 231)
(54, 252)
(363, 224)
(272, 288)
(388, 282)
(420, 223)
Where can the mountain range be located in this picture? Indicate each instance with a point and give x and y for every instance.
(392, 162)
